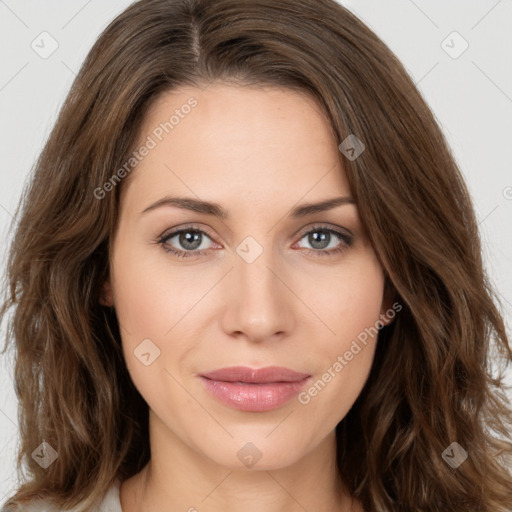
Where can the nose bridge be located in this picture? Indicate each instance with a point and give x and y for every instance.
(253, 271)
(258, 304)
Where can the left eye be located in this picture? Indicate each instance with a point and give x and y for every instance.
(320, 238)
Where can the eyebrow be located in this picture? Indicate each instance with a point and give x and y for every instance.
(209, 208)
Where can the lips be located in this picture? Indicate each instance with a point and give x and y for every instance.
(255, 376)
(256, 390)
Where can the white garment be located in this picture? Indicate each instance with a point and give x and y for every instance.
(109, 503)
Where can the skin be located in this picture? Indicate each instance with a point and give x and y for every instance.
(258, 152)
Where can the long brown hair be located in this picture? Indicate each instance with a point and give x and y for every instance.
(432, 382)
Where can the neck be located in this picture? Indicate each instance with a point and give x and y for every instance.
(180, 478)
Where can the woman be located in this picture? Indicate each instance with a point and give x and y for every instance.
(186, 350)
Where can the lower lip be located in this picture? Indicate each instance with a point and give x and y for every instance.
(254, 397)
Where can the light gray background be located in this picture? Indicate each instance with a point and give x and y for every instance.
(471, 97)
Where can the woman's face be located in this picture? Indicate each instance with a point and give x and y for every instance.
(268, 285)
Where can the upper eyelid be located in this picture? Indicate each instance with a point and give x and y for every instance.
(173, 232)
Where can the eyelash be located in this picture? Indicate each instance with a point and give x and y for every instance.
(346, 242)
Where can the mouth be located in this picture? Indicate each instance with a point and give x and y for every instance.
(254, 390)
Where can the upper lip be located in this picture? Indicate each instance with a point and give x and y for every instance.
(255, 375)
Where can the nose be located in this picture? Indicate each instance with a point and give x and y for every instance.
(258, 301)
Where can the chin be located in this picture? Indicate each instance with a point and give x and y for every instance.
(258, 454)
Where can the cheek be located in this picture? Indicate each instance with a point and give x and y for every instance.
(139, 306)
(147, 308)
(351, 300)
(152, 304)
(140, 310)
(352, 308)
(150, 296)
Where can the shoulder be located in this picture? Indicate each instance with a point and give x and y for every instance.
(109, 503)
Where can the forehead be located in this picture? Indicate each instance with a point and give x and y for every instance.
(225, 141)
